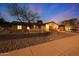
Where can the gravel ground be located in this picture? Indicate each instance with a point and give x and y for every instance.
(18, 41)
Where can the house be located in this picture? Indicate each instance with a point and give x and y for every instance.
(20, 27)
(51, 26)
(71, 24)
(17, 27)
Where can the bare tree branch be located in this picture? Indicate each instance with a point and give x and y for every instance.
(22, 14)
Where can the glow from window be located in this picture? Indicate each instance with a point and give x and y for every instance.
(19, 27)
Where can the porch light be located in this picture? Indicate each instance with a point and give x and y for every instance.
(28, 28)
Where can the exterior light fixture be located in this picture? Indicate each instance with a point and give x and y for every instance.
(28, 28)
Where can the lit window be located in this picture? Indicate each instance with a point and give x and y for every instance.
(19, 27)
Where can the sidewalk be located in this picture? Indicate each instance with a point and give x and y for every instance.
(67, 46)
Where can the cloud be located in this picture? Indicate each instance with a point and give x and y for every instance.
(64, 15)
(35, 8)
(53, 6)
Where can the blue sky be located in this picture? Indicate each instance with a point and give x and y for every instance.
(56, 12)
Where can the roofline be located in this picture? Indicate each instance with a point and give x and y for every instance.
(50, 22)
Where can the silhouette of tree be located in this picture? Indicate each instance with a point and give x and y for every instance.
(22, 13)
(39, 21)
(2, 20)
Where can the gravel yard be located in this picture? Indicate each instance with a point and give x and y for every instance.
(17, 41)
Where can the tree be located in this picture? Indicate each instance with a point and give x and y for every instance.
(23, 13)
(39, 21)
(2, 20)
(4, 24)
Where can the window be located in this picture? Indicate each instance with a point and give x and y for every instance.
(19, 27)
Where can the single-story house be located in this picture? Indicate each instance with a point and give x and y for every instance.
(20, 27)
(51, 26)
(15, 26)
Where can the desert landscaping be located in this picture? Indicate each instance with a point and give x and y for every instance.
(18, 42)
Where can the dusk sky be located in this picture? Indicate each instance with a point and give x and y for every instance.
(48, 11)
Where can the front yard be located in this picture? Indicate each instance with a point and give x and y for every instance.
(17, 41)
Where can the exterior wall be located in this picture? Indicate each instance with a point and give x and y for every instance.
(51, 26)
(1, 29)
(61, 28)
(47, 27)
(13, 28)
(67, 28)
(36, 28)
(78, 28)
(24, 28)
